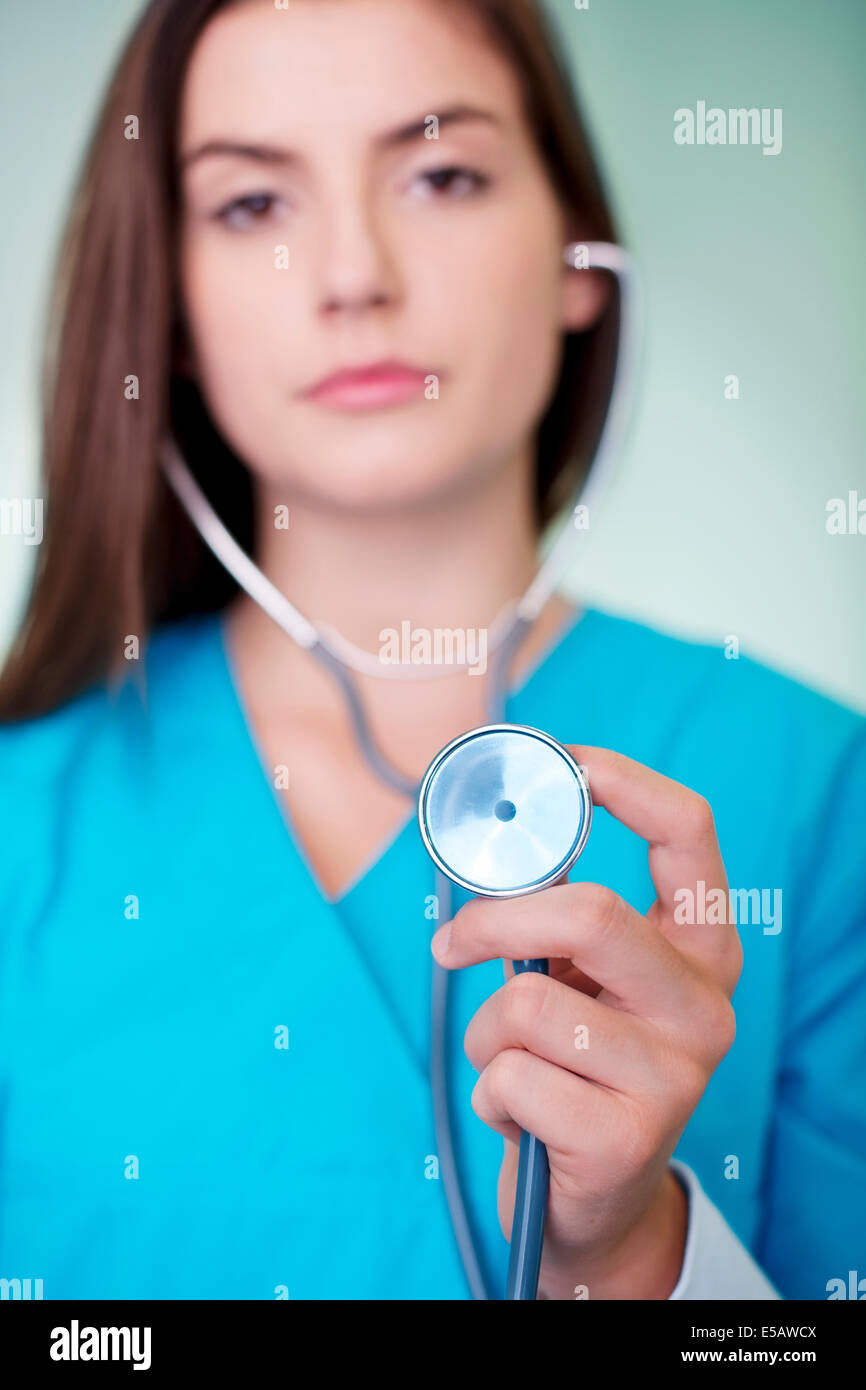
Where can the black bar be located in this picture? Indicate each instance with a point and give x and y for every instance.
(216, 1338)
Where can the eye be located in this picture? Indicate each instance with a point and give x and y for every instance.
(455, 181)
(245, 212)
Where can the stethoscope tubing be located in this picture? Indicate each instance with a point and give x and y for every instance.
(530, 1201)
(339, 656)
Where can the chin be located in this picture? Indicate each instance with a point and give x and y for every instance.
(367, 477)
(379, 492)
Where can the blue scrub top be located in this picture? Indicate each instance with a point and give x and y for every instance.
(162, 933)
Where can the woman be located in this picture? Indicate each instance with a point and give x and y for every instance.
(216, 951)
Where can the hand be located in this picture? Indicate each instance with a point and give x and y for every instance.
(605, 1059)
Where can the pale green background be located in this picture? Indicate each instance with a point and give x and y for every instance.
(753, 265)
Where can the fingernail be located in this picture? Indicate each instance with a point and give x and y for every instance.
(441, 941)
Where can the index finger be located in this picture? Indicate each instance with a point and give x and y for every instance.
(676, 822)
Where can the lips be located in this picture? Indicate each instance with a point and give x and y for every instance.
(376, 384)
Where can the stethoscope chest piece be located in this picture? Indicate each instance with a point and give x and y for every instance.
(504, 810)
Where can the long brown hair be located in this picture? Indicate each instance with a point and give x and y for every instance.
(118, 555)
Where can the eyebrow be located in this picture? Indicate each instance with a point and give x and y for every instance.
(389, 139)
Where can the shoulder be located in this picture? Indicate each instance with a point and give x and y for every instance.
(51, 763)
(782, 765)
(691, 686)
(783, 768)
(34, 752)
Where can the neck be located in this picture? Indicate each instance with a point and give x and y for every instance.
(453, 564)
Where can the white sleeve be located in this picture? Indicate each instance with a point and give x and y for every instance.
(716, 1264)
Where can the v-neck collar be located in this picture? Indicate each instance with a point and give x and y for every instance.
(244, 739)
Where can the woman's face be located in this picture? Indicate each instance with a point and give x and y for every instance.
(340, 244)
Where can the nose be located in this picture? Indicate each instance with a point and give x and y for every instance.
(356, 266)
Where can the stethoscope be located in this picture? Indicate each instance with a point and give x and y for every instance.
(503, 810)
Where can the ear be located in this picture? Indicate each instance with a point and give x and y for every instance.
(585, 296)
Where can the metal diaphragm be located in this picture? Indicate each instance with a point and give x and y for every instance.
(504, 810)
